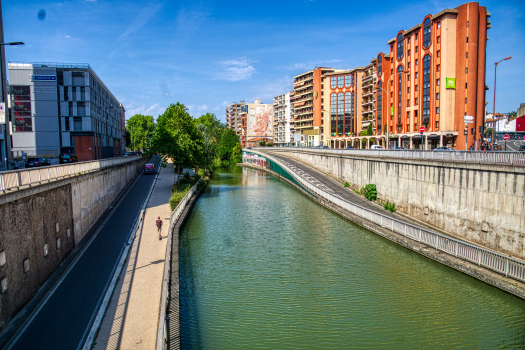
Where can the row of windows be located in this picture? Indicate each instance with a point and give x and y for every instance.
(427, 35)
(342, 81)
(341, 113)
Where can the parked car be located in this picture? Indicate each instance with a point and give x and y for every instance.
(400, 148)
(349, 147)
(149, 168)
(376, 147)
(324, 147)
(522, 148)
(67, 158)
(34, 162)
(442, 149)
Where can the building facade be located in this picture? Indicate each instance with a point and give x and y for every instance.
(233, 117)
(256, 123)
(432, 78)
(63, 108)
(308, 106)
(283, 127)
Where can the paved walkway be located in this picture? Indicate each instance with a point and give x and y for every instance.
(132, 316)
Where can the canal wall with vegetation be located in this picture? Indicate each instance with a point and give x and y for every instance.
(481, 203)
(489, 266)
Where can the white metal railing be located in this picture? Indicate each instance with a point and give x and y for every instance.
(162, 331)
(489, 157)
(492, 260)
(35, 176)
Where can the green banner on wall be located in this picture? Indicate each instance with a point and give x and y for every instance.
(392, 111)
(450, 83)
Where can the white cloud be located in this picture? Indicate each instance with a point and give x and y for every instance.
(221, 106)
(68, 37)
(310, 65)
(194, 108)
(237, 69)
(133, 108)
(268, 91)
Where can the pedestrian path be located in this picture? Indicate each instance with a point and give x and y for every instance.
(132, 316)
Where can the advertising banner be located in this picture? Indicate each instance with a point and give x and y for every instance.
(254, 159)
(450, 83)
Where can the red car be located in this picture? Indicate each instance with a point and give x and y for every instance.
(149, 168)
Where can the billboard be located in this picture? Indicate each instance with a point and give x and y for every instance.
(450, 83)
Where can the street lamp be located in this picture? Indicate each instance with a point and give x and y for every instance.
(388, 105)
(4, 94)
(494, 105)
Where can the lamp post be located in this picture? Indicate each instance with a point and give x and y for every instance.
(494, 105)
(4, 88)
(388, 105)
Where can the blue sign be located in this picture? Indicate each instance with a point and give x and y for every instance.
(43, 78)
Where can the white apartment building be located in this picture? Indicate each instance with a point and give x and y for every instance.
(284, 130)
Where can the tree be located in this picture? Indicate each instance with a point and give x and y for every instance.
(228, 140)
(177, 137)
(141, 129)
(236, 154)
(369, 130)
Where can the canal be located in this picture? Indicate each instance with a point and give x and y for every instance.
(264, 267)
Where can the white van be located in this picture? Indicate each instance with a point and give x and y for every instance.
(376, 147)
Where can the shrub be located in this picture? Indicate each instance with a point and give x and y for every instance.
(389, 206)
(346, 184)
(370, 192)
(176, 197)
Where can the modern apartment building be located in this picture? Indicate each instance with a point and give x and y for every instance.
(63, 108)
(256, 123)
(283, 121)
(233, 117)
(308, 104)
(433, 77)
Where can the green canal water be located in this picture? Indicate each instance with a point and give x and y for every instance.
(264, 267)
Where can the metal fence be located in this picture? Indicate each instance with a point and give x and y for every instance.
(508, 158)
(15, 179)
(494, 261)
(162, 331)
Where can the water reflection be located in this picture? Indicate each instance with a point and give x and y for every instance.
(264, 267)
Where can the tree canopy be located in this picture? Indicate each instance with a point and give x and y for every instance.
(141, 129)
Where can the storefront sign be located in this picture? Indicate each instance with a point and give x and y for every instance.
(391, 111)
(450, 83)
(43, 78)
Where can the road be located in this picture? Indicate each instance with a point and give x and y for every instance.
(66, 317)
(512, 145)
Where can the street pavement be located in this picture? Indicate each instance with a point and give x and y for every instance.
(132, 316)
(65, 318)
(512, 145)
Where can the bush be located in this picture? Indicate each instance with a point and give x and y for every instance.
(370, 192)
(176, 197)
(389, 206)
(346, 184)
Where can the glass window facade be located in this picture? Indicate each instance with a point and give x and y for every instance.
(426, 33)
(400, 46)
(333, 114)
(399, 89)
(348, 106)
(426, 90)
(21, 108)
(333, 82)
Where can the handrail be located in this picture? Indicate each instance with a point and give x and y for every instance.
(32, 176)
(492, 260)
(162, 327)
(489, 157)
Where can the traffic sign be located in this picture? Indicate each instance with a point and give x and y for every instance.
(468, 117)
(422, 129)
(506, 137)
(468, 121)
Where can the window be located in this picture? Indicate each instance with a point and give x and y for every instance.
(347, 80)
(400, 46)
(408, 103)
(426, 33)
(409, 64)
(437, 95)
(341, 81)
(467, 39)
(348, 105)
(66, 93)
(408, 52)
(438, 53)
(379, 105)
(77, 124)
(391, 72)
(439, 38)
(74, 93)
(408, 77)
(21, 108)
(417, 37)
(465, 100)
(416, 88)
(466, 55)
(21, 93)
(417, 62)
(408, 127)
(415, 101)
(466, 70)
(415, 126)
(439, 25)
(437, 82)
(437, 110)
(408, 89)
(340, 113)
(467, 24)
(67, 123)
(333, 114)
(465, 85)
(409, 39)
(417, 75)
(426, 90)
(333, 82)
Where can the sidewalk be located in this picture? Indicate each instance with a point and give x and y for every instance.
(132, 316)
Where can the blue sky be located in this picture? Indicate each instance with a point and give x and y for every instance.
(209, 54)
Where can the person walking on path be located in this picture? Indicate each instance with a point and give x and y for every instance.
(159, 226)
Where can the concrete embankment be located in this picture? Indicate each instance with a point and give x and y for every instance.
(498, 280)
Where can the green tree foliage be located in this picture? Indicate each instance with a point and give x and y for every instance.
(236, 156)
(227, 143)
(178, 137)
(369, 130)
(141, 129)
